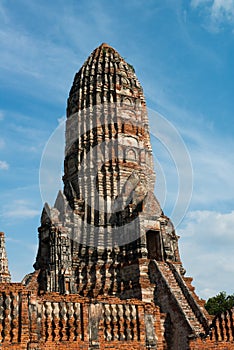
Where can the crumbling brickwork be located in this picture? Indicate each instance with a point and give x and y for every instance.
(52, 320)
(220, 335)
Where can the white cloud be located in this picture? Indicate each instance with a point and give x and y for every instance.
(1, 115)
(207, 243)
(213, 181)
(19, 208)
(29, 64)
(4, 165)
(212, 225)
(212, 162)
(21, 212)
(219, 11)
(222, 9)
(22, 53)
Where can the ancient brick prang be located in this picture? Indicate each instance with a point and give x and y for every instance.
(108, 273)
(107, 217)
(4, 271)
(106, 234)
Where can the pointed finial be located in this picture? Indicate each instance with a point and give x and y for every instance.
(5, 276)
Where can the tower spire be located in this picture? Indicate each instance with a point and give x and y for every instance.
(5, 276)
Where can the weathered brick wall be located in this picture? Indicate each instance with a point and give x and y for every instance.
(222, 328)
(221, 335)
(52, 320)
(211, 345)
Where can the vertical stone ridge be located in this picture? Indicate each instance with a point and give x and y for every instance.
(5, 276)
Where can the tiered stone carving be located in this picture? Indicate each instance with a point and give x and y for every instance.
(107, 218)
(5, 276)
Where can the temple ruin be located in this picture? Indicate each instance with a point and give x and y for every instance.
(108, 273)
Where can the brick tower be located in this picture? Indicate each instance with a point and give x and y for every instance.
(106, 235)
(107, 216)
(5, 276)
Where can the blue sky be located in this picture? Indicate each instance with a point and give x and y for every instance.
(183, 54)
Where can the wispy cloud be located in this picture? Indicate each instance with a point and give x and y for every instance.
(28, 51)
(218, 11)
(214, 182)
(12, 240)
(24, 134)
(4, 165)
(1, 115)
(3, 14)
(213, 225)
(38, 57)
(210, 234)
(19, 209)
(213, 179)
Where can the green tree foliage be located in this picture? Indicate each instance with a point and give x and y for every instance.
(221, 302)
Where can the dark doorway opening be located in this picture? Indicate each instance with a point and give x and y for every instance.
(154, 245)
